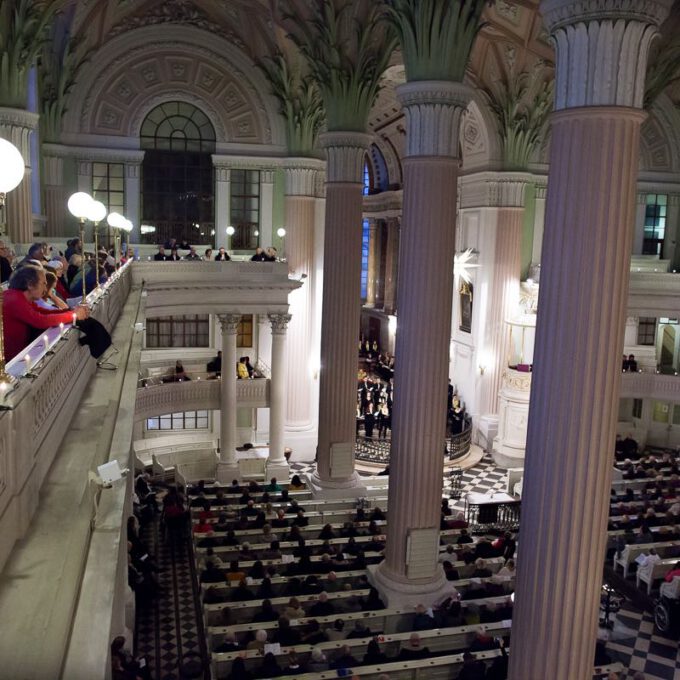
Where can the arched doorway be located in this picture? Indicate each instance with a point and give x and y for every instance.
(177, 174)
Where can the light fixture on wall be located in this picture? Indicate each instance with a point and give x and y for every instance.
(230, 232)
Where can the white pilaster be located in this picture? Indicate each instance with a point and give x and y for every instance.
(277, 465)
(267, 208)
(228, 468)
(222, 204)
(133, 192)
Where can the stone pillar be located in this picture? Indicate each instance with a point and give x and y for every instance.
(16, 126)
(391, 266)
(341, 313)
(55, 195)
(264, 356)
(277, 465)
(411, 572)
(299, 206)
(601, 55)
(373, 263)
(267, 209)
(227, 468)
(222, 203)
(504, 292)
(133, 193)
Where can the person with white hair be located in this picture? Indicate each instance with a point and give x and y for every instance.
(259, 642)
(318, 662)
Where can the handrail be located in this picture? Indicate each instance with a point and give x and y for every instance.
(377, 451)
(169, 378)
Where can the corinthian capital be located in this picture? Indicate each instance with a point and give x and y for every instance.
(229, 322)
(279, 323)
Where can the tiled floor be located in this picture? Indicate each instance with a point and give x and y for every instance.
(635, 643)
(172, 625)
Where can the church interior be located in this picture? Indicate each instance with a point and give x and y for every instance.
(340, 338)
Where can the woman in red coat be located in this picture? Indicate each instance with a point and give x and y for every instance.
(23, 319)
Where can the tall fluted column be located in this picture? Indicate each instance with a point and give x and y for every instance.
(601, 62)
(373, 256)
(411, 571)
(504, 291)
(227, 468)
(300, 176)
(277, 465)
(16, 126)
(341, 311)
(391, 262)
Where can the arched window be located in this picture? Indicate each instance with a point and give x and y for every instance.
(368, 183)
(177, 174)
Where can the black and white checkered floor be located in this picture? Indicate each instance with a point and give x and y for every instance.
(172, 626)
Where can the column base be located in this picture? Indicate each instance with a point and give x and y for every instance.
(227, 471)
(507, 456)
(280, 470)
(400, 594)
(350, 487)
(302, 442)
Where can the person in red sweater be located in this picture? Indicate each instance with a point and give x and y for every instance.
(675, 571)
(22, 318)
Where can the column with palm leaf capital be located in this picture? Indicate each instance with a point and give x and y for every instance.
(345, 47)
(436, 38)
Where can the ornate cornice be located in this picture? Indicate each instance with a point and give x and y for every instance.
(279, 323)
(433, 111)
(229, 323)
(19, 117)
(96, 154)
(602, 48)
(346, 154)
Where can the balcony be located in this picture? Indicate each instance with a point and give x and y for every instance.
(658, 386)
(177, 288)
(155, 398)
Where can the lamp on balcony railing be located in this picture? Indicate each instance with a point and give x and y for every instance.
(12, 171)
(116, 221)
(127, 227)
(281, 233)
(230, 232)
(80, 206)
(97, 212)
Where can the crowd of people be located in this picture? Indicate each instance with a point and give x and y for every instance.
(170, 252)
(45, 289)
(238, 507)
(374, 406)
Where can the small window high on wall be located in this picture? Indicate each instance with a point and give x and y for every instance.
(178, 331)
(187, 420)
(655, 224)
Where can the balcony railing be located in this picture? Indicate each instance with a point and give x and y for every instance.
(377, 451)
(155, 397)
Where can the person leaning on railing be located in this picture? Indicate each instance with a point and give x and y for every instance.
(23, 319)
